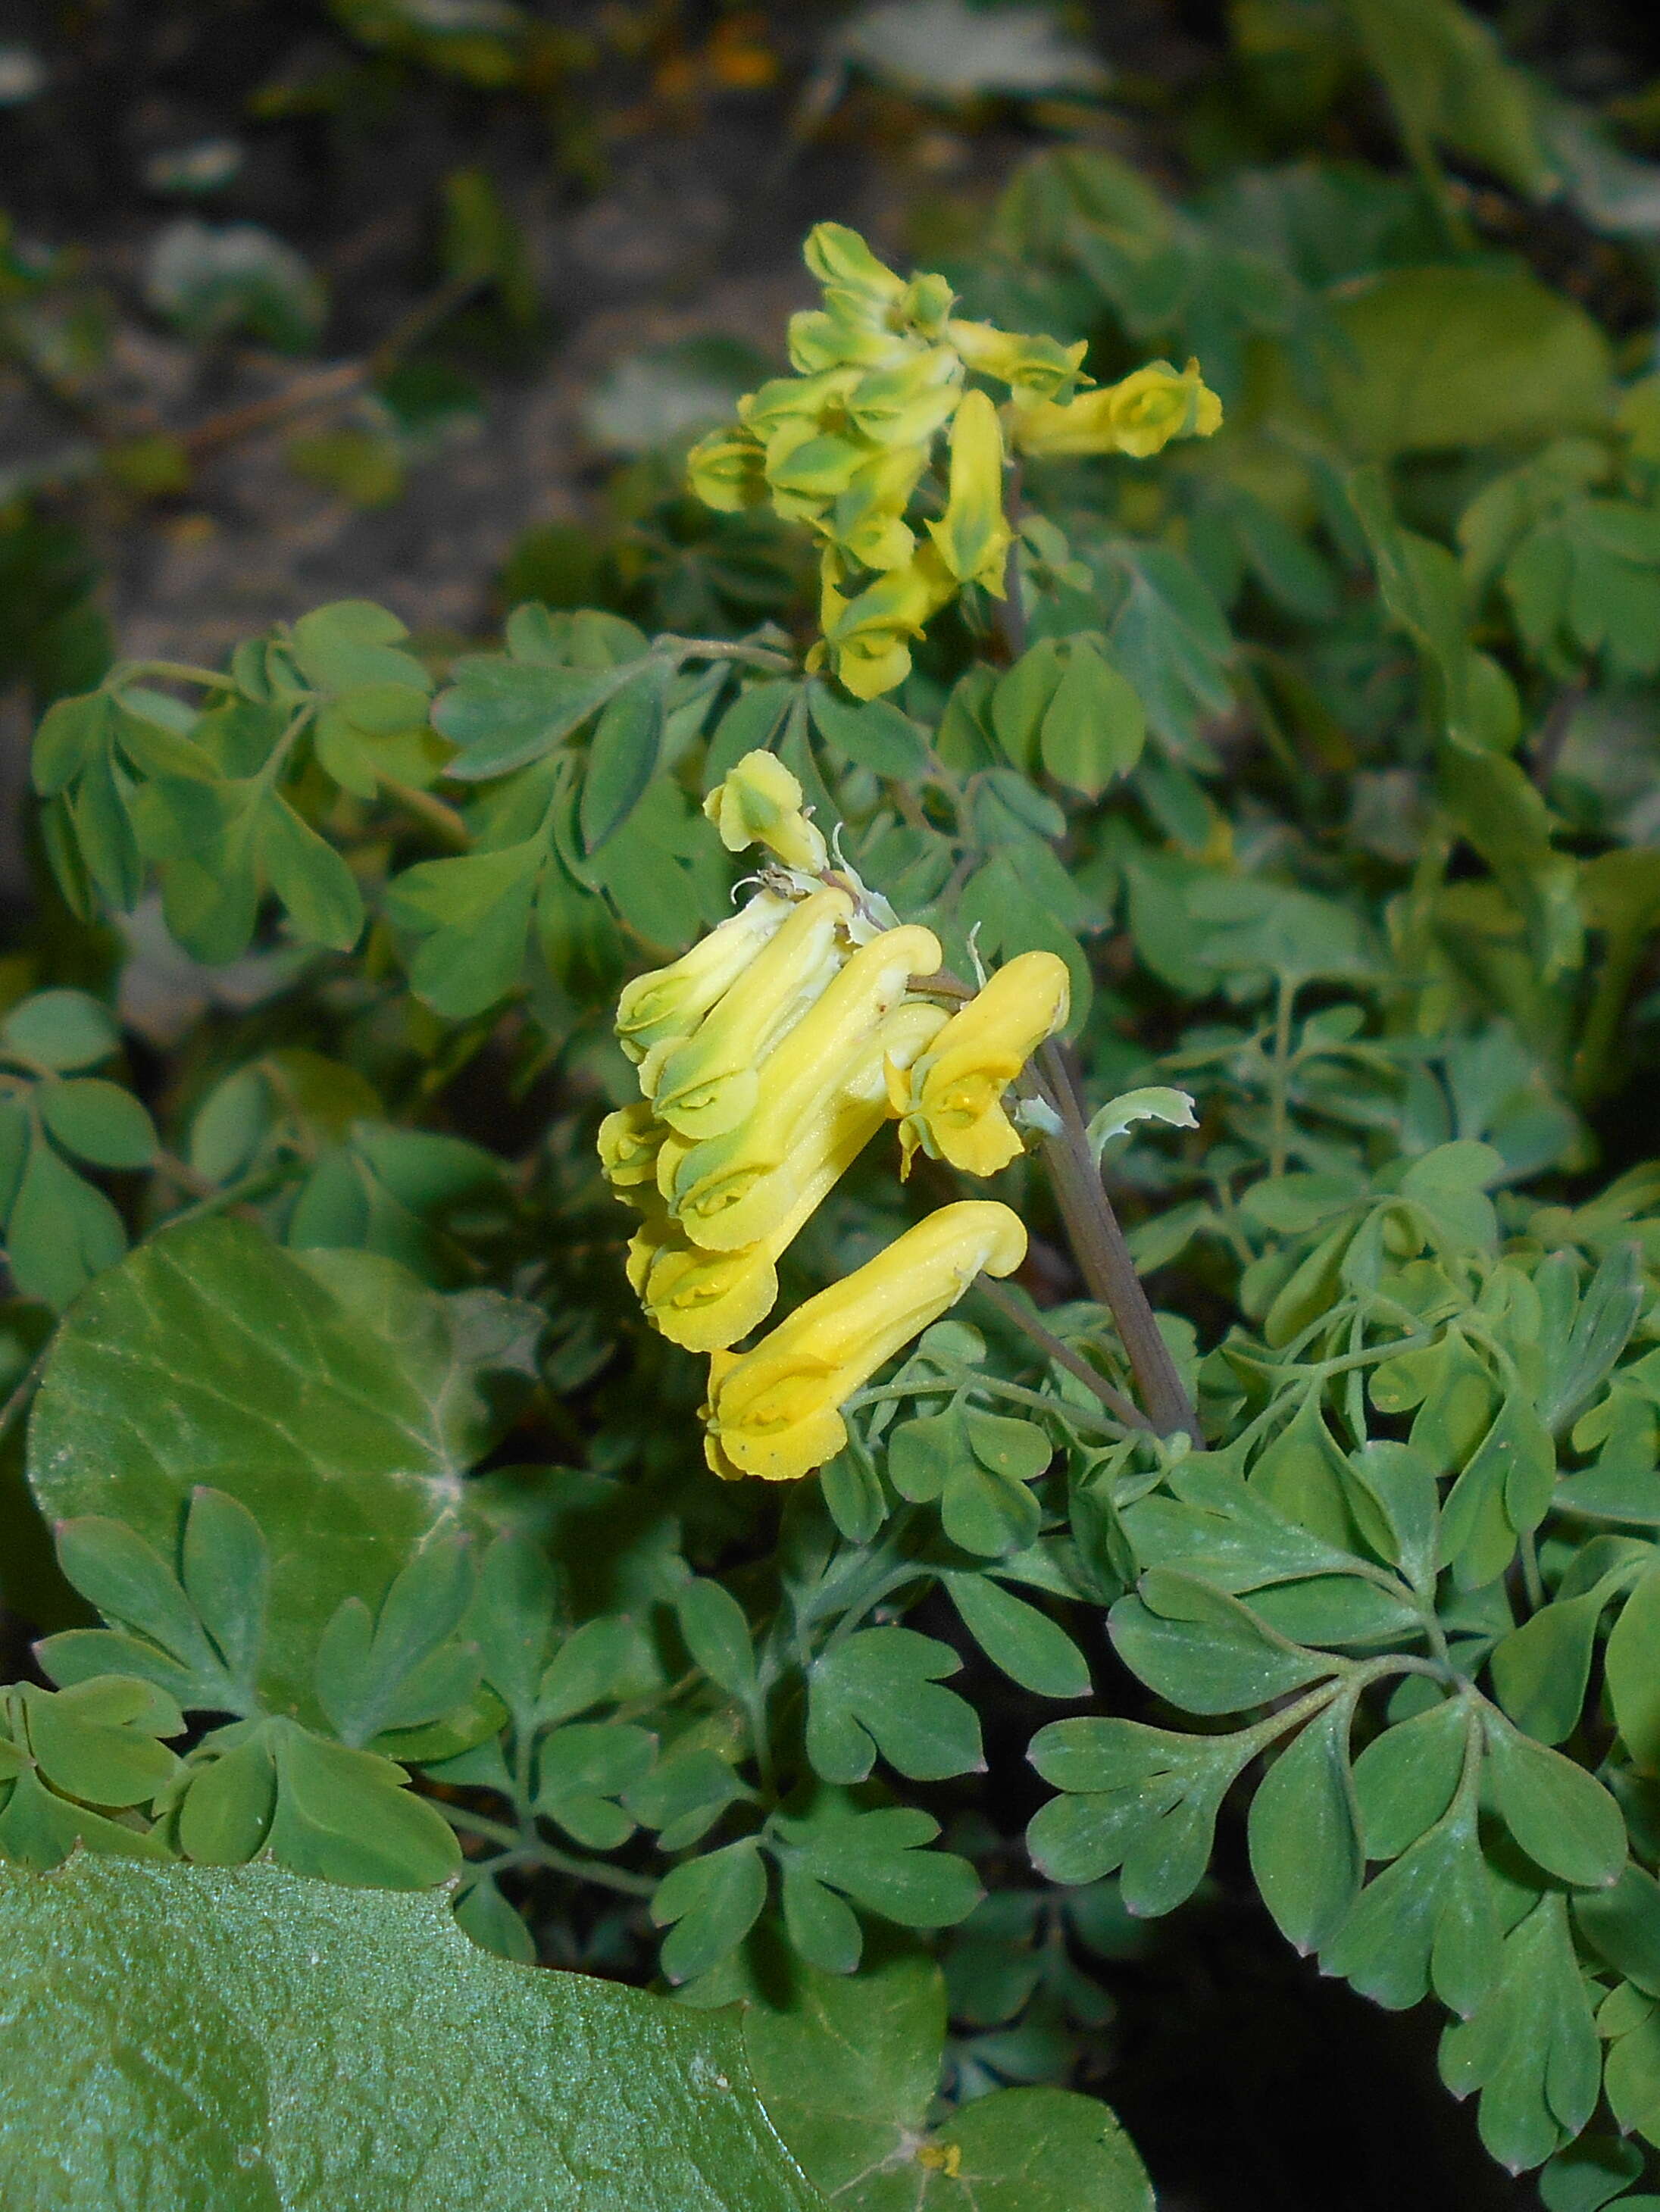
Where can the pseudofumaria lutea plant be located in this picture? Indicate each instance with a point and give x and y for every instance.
(769, 1057)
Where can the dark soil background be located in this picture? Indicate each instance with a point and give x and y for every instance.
(660, 185)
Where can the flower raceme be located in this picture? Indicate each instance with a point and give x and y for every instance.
(769, 1057)
(849, 445)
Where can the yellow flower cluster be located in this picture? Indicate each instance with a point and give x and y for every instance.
(844, 445)
(768, 1056)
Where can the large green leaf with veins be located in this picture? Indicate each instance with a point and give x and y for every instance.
(199, 2039)
(339, 1399)
(849, 2066)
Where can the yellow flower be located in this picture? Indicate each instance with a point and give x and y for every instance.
(775, 1410)
(670, 1002)
(737, 1187)
(903, 406)
(950, 1104)
(1034, 368)
(706, 1300)
(1138, 417)
(706, 1083)
(727, 470)
(759, 802)
(972, 535)
(865, 288)
(629, 1143)
(868, 517)
(817, 340)
(865, 636)
(814, 400)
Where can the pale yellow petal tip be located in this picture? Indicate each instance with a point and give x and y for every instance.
(759, 802)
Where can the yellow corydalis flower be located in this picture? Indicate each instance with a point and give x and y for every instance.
(705, 1084)
(866, 637)
(972, 535)
(629, 1141)
(1138, 417)
(669, 1002)
(706, 1300)
(950, 1104)
(775, 1410)
(759, 802)
(736, 1187)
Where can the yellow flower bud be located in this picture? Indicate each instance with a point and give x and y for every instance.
(736, 1187)
(905, 406)
(707, 1083)
(706, 1300)
(814, 400)
(847, 268)
(775, 1410)
(727, 470)
(1034, 368)
(759, 802)
(670, 1002)
(817, 340)
(813, 469)
(972, 535)
(950, 1104)
(1138, 417)
(927, 304)
(868, 517)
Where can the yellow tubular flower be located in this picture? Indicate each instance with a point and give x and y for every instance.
(972, 535)
(1138, 417)
(727, 470)
(850, 273)
(904, 406)
(1034, 368)
(738, 1187)
(759, 802)
(775, 1410)
(629, 1143)
(707, 1300)
(817, 340)
(950, 1104)
(1157, 405)
(814, 400)
(648, 1240)
(670, 1002)
(865, 636)
(706, 1082)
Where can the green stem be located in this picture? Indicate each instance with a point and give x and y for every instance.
(1279, 1079)
(1617, 970)
(1103, 1257)
(23, 1389)
(1062, 1354)
(171, 671)
(722, 648)
(970, 1378)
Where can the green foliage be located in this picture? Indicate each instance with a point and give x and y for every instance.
(1321, 753)
(316, 2030)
